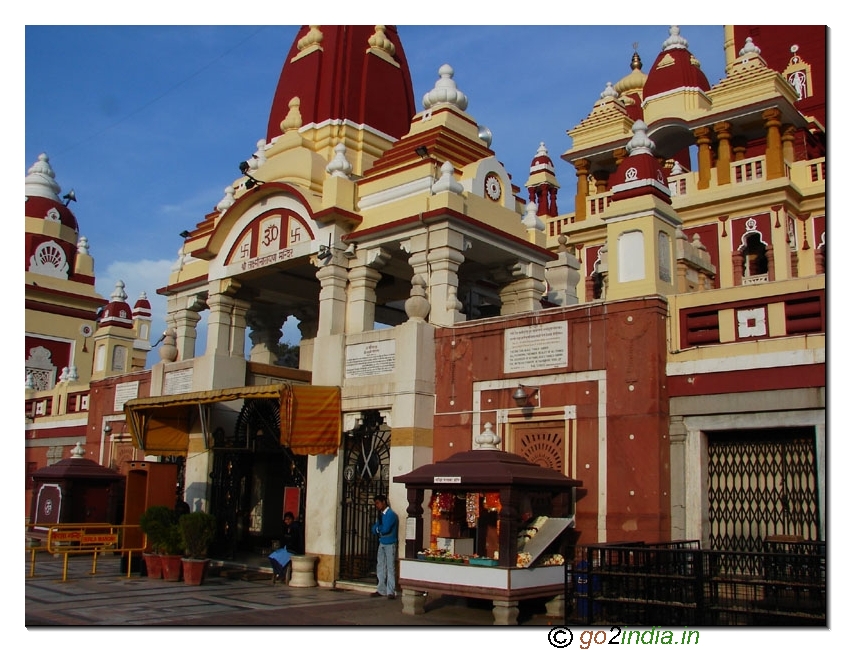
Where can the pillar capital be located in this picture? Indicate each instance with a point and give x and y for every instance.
(723, 130)
(702, 135)
(772, 117)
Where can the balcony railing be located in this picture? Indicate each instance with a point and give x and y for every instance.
(748, 171)
(754, 279)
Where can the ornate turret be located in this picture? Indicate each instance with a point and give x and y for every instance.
(352, 75)
(640, 224)
(542, 184)
(675, 84)
(640, 173)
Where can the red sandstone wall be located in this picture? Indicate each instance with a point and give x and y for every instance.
(624, 342)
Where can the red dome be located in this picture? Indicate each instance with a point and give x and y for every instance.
(675, 68)
(39, 207)
(117, 313)
(332, 72)
(542, 161)
(640, 172)
(142, 307)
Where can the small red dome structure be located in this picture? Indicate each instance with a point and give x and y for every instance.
(640, 173)
(675, 68)
(117, 312)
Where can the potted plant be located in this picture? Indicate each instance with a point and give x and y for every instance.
(197, 531)
(159, 524)
(172, 551)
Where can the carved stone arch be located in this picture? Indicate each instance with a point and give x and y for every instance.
(49, 258)
(258, 200)
(242, 219)
(754, 251)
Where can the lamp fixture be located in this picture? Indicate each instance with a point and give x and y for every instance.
(422, 151)
(107, 429)
(351, 251)
(325, 250)
(70, 196)
(524, 394)
(185, 234)
(252, 182)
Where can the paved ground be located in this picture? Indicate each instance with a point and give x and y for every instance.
(233, 598)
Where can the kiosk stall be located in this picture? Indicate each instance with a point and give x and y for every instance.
(500, 530)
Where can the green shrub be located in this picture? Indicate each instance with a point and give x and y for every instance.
(197, 531)
(159, 523)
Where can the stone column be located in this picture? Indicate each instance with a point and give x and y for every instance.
(223, 363)
(737, 267)
(703, 138)
(620, 155)
(601, 178)
(788, 133)
(238, 326)
(445, 306)
(553, 202)
(773, 152)
(563, 276)
(332, 299)
(525, 290)
(678, 478)
(308, 325)
(739, 148)
(771, 263)
(362, 278)
(589, 289)
(185, 324)
(183, 317)
(266, 322)
(724, 152)
(582, 188)
(218, 324)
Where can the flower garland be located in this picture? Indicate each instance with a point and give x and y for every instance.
(442, 502)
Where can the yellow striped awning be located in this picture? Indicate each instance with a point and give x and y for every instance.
(310, 421)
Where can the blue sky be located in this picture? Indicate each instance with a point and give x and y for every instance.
(148, 123)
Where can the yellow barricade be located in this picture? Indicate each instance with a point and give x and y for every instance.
(73, 539)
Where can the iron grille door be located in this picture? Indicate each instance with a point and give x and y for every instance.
(366, 473)
(249, 467)
(761, 483)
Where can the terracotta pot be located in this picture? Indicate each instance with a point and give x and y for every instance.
(194, 570)
(153, 563)
(171, 565)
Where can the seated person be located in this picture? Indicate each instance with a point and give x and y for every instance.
(292, 537)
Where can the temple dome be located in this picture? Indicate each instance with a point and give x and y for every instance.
(675, 68)
(346, 72)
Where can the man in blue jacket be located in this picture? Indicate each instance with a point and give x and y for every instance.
(386, 528)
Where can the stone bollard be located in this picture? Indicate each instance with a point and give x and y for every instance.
(303, 571)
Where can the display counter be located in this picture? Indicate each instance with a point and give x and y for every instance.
(515, 517)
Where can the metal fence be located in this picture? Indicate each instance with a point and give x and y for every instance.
(677, 583)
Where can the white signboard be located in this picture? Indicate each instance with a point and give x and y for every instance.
(370, 359)
(536, 347)
(124, 392)
(177, 382)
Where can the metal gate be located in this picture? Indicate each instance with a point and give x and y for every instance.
(761, 483)
(366, 473)
(241, 462)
